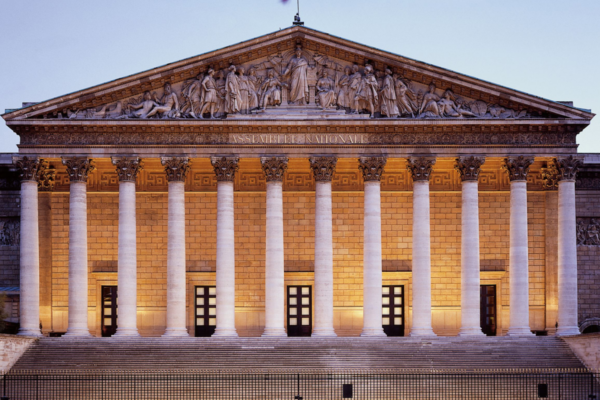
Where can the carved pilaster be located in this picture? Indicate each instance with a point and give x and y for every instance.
(46, 179)
(78, 168)
(517, 167)
(127, 168)
(225, 168)
(323, 168)
(371, 167)
(469, 167)
(550, 176)
(420, 168)
(28, 167)
(274, 168)
(176, 168)
(568, 168)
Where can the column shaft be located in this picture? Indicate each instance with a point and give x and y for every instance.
(29, 261)
(78, 261)
(567, 260)
(372, 276)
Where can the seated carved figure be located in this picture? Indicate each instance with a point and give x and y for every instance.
(168, 105)
(448, 108)
(325, 91)
(429, 104)
(271, 91)
(142, 109)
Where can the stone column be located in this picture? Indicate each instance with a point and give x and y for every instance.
(323, 169)
(225, 169)
(567, 248)
(274, 169)
(176, 169)
(420, 169)
(29, 303)
(127, 170)
(372, 169)
(469, 168)
(550, 186)
(517, 168)
(78, 169)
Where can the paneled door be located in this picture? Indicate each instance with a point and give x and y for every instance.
(206, 310)
(299, 310)
(392, 311)
(488, 309)
(109, 310)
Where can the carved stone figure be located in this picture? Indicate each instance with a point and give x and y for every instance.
(233, 93)
(581, 233)
(550, 176)
(405, 97)
(244, 99)
(429, 104)
(209, 96)
(271, 91)
(366, 95)
(10, 232)
(593, 233)
(143, 108)
(353, 84)
(342, 97)
(448, 108)
(297, 68)
(389, 107)
(168, 105)
(193, 96)
(326, 91)
(221, 92)
(497, 111)
(254, 84)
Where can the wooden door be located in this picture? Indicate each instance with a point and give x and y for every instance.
(488, 309)
(205, 304)
(109, 310)
(299, 310)
(392, 311)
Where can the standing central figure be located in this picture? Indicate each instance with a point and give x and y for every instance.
(298, 67)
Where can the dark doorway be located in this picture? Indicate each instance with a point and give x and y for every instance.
(299, 310)
(206, 310)
(392, 311)
(592, 329)
(109, 310)
(487, 305)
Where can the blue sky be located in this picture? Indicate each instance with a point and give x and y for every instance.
(547, 48)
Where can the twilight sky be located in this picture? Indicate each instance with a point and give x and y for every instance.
(549, 48)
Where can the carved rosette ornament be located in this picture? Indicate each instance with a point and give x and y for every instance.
(550, 176)
(420, 168)
(469, 167)
(127, 168)
(225, 168)
(568, 168)
(274, 168)
(29, 168)
(78, 168)
(372, 167)
(176, 168)
(517, 167)
(323, 168)
(46, 177)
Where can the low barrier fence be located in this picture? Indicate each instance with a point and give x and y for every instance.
(274, 385)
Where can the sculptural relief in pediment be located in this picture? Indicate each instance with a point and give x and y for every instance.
(297, 84)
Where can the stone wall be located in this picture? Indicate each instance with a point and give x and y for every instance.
(586, 348)
(10, 212)
(588, 260)
(12, 348)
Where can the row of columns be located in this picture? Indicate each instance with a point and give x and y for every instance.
(323, 169)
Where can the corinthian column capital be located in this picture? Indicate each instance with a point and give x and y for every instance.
(78, 168)
(420, 167)
(517, 167)
(176, 168)
(469, 167)
(372, 168)
(568, 168)
(225, 168)
(29, 167)
(274, 168)
(323, 168)
(127, 168)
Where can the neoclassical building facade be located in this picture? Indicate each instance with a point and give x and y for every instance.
(300, 184)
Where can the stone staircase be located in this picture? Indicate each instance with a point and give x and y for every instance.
(298, 354)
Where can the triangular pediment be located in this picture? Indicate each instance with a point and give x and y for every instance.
(341, 77)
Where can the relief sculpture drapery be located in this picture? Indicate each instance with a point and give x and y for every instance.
(588, 232)
(284, 79)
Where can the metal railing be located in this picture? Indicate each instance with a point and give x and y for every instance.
(273, 385)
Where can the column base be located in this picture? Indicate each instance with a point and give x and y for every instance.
(126, 332)
(323, 332)
(373, 332)
(520, 331)
(225, 332)
(175, 332)
(567, 331)
(77, 332)
(421, 332)
(471, 331)
(29, 332)
(274, 332)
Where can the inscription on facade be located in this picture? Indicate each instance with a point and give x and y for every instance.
(293, 138)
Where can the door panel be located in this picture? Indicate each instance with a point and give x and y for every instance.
(299, 310)
(393, 310)
(205, 305)
(488, 309)
(109, 310)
